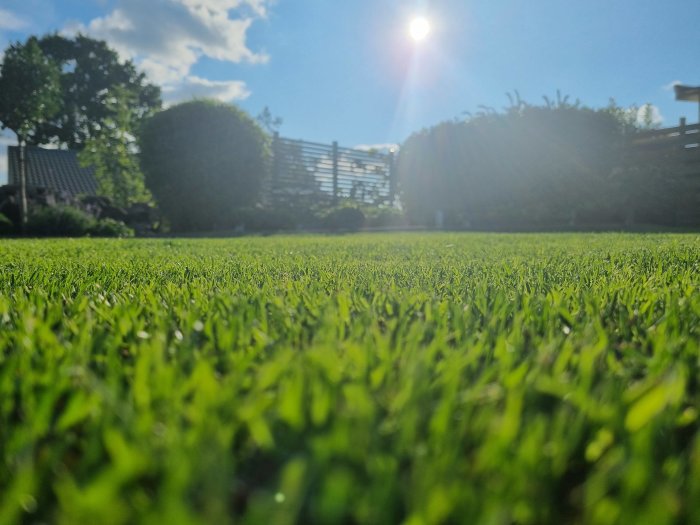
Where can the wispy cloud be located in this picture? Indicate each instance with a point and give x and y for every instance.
(671, 85)
(166, 38)
(196, 87)
(9, 21)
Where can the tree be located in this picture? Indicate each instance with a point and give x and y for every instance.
(29, 96)
(203, 161)
(89, 69)
(268, 121)
(530, 165)
(111, 151)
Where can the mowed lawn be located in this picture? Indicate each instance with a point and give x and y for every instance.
(407, 378)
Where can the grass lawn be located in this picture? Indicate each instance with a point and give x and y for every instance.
(405, 378)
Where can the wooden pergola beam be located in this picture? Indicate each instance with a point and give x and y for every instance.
(688, 94)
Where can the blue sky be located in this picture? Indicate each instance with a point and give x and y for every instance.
(348, 71)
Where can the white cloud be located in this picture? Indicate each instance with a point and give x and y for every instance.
(196, 87)
(166, 38)
(10, 21)
(6, 139)
(377, 147)
(671, 85)
(649, 112)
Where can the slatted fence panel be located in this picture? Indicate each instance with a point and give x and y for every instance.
(311, 173)
(677, 148)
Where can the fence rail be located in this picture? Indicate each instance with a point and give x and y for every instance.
(677, 147)
(308, 173)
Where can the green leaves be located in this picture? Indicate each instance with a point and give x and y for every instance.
(89, 68)
(668, 393)
(29, 88)
(112, 151)
(203, 161)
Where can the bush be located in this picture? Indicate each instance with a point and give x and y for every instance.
(59, 221)
(203, 162)
(529, 166)
(346, 218)
(265, 219)
(6, 226)
(110, 228)
(385, 217)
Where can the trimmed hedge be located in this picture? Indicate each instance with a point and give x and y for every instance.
(204, 161)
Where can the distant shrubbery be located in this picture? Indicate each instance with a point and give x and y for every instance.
(262, 219)
(6, 226)
(59, 221)
(344, 218)
(66, 221)
(536, 165)
(553, 166)
(384, 217)
(110, 228)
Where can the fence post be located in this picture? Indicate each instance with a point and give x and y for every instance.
(335, 172)
(392, 177)
(23, 207)
(276, 156)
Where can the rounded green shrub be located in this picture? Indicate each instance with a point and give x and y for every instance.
(59, 221)
(346, 218)
(385, 217)
(6, 226)
(204, 160)
(110, 228)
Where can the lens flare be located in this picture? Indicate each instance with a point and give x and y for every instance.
(419, 29)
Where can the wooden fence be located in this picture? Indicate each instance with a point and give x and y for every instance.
(676, 153)
(676, 148)
(309, 173)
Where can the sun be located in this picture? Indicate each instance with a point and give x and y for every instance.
(419, 28)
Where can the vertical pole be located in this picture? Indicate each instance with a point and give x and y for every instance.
(276, 155)
(681, 132)
(335, 172)
(273, 183)
(681, 136)
(392, 178)
(22, 187)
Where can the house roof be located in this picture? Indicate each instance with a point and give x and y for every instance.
(55, 169)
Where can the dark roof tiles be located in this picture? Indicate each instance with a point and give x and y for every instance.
(55, 169)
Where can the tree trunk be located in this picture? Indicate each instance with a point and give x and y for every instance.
(22, 185)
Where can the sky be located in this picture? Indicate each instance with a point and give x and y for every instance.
(350, 71)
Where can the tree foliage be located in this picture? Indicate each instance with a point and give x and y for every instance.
(88, 69)
(536, 165)
(269, 122)
(29, 89)
(29, 95)
(111, 151)
(203, 160)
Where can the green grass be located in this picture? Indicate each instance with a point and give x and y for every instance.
(381, 379)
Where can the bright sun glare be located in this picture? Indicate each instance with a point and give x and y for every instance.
(420, 29)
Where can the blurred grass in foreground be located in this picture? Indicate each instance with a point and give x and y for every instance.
(410, 378)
